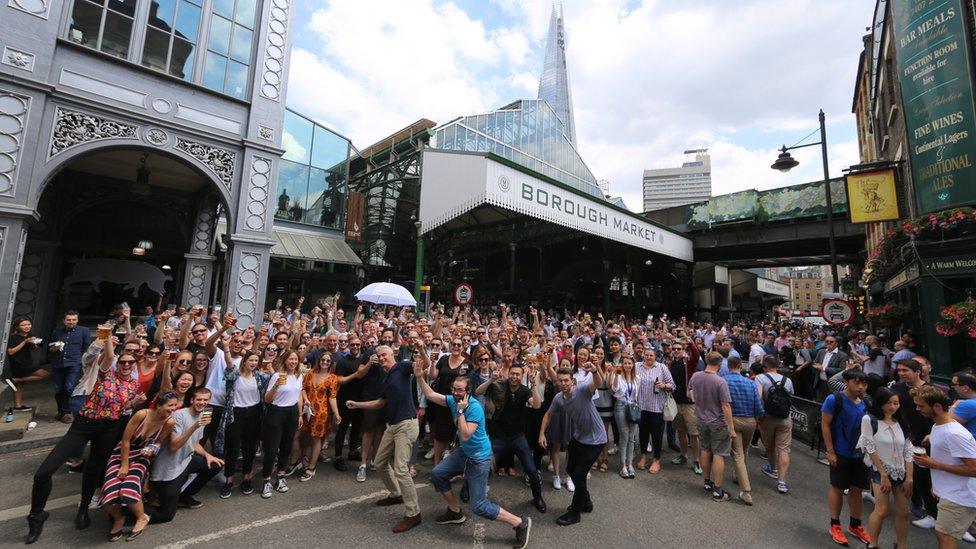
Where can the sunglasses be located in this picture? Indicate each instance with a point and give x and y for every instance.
(127, 362)
(153, 353)
(199, 331)
(272, 349)
(184, 361)
(237, 341)
(483, 359)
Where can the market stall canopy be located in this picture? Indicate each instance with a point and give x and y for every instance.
(305, 245)
(455, 182)
(386, 293)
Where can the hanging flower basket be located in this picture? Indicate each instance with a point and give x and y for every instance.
(887, 315)
(958, 318)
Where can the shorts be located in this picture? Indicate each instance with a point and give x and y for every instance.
(443, 425)
(715, 439)
(18, 371)
(954, 519)
(849, 472)
(876, 478)
(686, 417)
(373, 419)
(777, 433)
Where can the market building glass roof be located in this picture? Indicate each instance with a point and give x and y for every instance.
(527, 132)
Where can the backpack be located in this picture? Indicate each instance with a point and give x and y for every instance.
(778, 402)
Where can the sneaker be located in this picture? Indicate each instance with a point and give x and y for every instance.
(569, 485)
(709, 485)
(247, 487)
(361, 474)
(429, 454)
(926, 522)
(697, 468)
(768, 470)
(226, 490)
(867, 496)
(968, 538)
(746, 498)
(340, 464)
(372, 466)
(679, 460)
(557, 483)
(782, 487)
(451, 517)
(837, 534)
(267, 491)
(624, 472)
(292, 469)
(282, 486)
(823, 461)
(720, 495)
(860, 533)
(630, 469)
(612, 451)
(75, 469)
(754, 444)
(522, 533)
(187, 502)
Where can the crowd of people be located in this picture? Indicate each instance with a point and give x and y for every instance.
(171, 401)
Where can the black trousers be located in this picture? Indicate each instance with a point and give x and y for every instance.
(505, 450)
(280, 425)
(579, 458)
(352, 422)
(169, 492)
(103, 434)
(533, 425)
(241, 437)
(651, 427)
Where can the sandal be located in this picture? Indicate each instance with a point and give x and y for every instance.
(307, 475)
(502, 472)
(115, 536)
(604, 466)
(512, 472)
(136, 533)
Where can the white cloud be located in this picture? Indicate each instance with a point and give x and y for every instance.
(650, 79)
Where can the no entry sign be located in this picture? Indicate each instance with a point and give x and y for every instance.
(463, 294)
(837, 312)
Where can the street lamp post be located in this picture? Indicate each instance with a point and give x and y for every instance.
(785, 162)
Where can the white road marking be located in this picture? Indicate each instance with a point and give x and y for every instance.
(479, 536)
(21, 512)
(275, 519)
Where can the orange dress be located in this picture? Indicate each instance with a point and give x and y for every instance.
(318, 396)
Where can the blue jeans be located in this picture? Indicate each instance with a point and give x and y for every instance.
(505, 447)
(475, 473)
(64, 379)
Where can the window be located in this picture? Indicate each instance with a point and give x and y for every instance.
(104, 25)
(312, 175)
(225, 68)
(171, 36)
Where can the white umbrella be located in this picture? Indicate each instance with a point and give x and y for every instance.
(386, 293)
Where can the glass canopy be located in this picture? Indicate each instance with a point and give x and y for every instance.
(527, 132)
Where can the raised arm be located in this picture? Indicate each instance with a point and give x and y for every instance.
(430, 394)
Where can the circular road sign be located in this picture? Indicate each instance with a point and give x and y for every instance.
(463, 294)
(837, 312)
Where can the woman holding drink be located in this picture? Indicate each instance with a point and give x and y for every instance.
(23, 368)
(127, 466)
(283, 417)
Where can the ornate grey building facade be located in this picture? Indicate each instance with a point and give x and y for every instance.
(125, 122)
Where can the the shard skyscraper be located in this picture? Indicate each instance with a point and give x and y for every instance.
(554, 84)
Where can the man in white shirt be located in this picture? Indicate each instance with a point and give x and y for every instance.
(828, 362)
(953, 465)
(756, 351)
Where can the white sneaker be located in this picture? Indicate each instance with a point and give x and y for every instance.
(867, 496)
(968, 538)
(613, 451)
(557, 482)
(926, 522)
(267, 491)
(569, 485)
(429, 454)
(282, 485)
(361, 474)
(630, 469)
(624, 472)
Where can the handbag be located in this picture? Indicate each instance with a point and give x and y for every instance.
(670, 408)
(633, 413)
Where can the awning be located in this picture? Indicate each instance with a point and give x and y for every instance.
(306, 245)
(455, 182)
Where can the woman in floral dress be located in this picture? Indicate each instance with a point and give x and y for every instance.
(127, 466)
(319, 390)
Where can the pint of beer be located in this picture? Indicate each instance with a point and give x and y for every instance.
(104, 331)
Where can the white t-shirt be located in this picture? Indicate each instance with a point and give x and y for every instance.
(756, 353)
(287, 394)
(583, 379)
(216, 381)
(766, 385)
(246, 392)
(951, 442)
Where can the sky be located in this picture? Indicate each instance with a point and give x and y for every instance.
(649, 78)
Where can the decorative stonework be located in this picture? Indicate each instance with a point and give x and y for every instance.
(74, 128)
(156, 137)
(28, 287)
(13, 117)
(195, 285)
(257, 193)
(265, 132)
(18, 59)
(16, 277)
(39, 8)
(219, 161)
(247, 286)
(161, 105)
(274, 61)
(203, 229)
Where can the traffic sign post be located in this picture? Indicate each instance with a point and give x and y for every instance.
(838, 312)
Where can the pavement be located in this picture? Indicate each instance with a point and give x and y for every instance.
(666, 510)
(40, 396)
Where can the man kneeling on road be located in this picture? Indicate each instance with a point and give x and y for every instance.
(473, 458)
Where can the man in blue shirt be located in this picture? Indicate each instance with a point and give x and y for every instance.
(472, 458)
(964, 409)
(747, 408)
(840, 426)
(68, 344)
